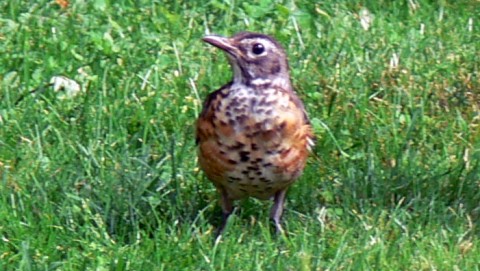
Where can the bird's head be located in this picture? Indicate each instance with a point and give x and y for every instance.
(256, 59)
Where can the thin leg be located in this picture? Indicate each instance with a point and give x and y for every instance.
(227, 209)
(277, 210)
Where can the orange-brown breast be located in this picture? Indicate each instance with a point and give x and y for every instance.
(253, 142)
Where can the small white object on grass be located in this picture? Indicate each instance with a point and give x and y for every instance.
(366, 19)
(394, 61)
(69, 86)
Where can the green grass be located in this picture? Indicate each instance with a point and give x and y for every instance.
(108, 180)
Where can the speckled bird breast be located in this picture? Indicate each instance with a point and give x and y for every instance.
(260, 139)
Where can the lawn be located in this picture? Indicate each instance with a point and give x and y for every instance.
(108, 179)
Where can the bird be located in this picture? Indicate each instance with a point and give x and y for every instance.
(253, 134)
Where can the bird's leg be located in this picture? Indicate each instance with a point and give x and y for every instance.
(227, 209)
(277, 210)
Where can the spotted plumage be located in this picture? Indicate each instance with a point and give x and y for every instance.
(253, 133)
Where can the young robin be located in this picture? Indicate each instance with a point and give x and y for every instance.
(253, 134)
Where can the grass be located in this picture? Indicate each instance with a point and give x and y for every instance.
(108, 180)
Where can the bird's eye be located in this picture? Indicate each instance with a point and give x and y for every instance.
(258, 48)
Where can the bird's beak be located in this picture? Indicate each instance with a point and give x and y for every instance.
(222, 43)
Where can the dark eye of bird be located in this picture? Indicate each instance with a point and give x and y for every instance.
(258, 48)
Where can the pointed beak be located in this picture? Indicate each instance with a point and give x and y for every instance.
(222, 43)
